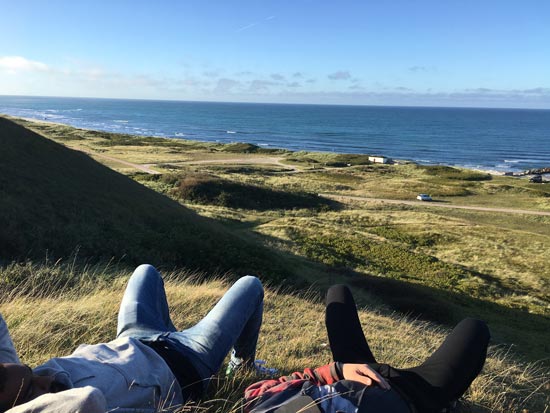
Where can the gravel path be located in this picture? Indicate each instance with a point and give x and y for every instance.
(435, 204)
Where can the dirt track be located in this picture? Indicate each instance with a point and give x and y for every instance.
(435, 204)
(246, 160)
(142, 168)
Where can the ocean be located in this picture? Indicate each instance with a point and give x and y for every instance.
(500, 140)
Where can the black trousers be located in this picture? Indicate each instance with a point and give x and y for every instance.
(432, 385)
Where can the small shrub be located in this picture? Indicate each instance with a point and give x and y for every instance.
(353, 159)
(169, 179)
(447, 172)
(242, 147)
(337, 164)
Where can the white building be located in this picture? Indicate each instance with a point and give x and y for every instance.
(378, 159)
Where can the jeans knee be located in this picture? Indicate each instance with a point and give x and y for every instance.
(145, 271)
(252, 284)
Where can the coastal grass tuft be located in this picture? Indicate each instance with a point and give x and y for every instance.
(241, 147)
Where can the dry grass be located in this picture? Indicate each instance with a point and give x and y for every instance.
(292, 336)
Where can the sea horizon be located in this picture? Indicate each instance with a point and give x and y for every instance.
(274, 103)
(491, 139)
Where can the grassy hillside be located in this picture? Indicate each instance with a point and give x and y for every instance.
(64, 317)
(257, 211)
(437, 264)
(54, 200)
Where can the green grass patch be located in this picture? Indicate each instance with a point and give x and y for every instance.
(339, 177)
(302, 161)
(447, 172)
(241, 147)
(116, 139)
(376, 257)
(411, 240)
(350, 159)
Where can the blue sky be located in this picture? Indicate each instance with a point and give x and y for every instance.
(485, 53)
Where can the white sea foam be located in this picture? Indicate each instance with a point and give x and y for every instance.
(179, 134)
(51, 116)
(230, 131)
(120, 121)
(542, 159)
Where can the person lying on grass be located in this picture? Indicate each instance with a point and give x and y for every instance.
(150, 366)
(356, 383)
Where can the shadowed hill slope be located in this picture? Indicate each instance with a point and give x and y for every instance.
(54, 200)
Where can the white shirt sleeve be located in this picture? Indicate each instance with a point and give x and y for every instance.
(78, 400)
(7, 350)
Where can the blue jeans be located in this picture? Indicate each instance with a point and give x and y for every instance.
(234, 322)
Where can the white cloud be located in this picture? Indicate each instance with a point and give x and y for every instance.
(77, 78)
(210, 73)
(248, 26)
(340, 75)
(225, 85)
(14, 64)
(251, 25)
(277, 76)
(257, 86)
(244, 73)
(416, 69)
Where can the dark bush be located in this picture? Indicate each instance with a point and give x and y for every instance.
(242, 147)
(205, 189)
(337, 164)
